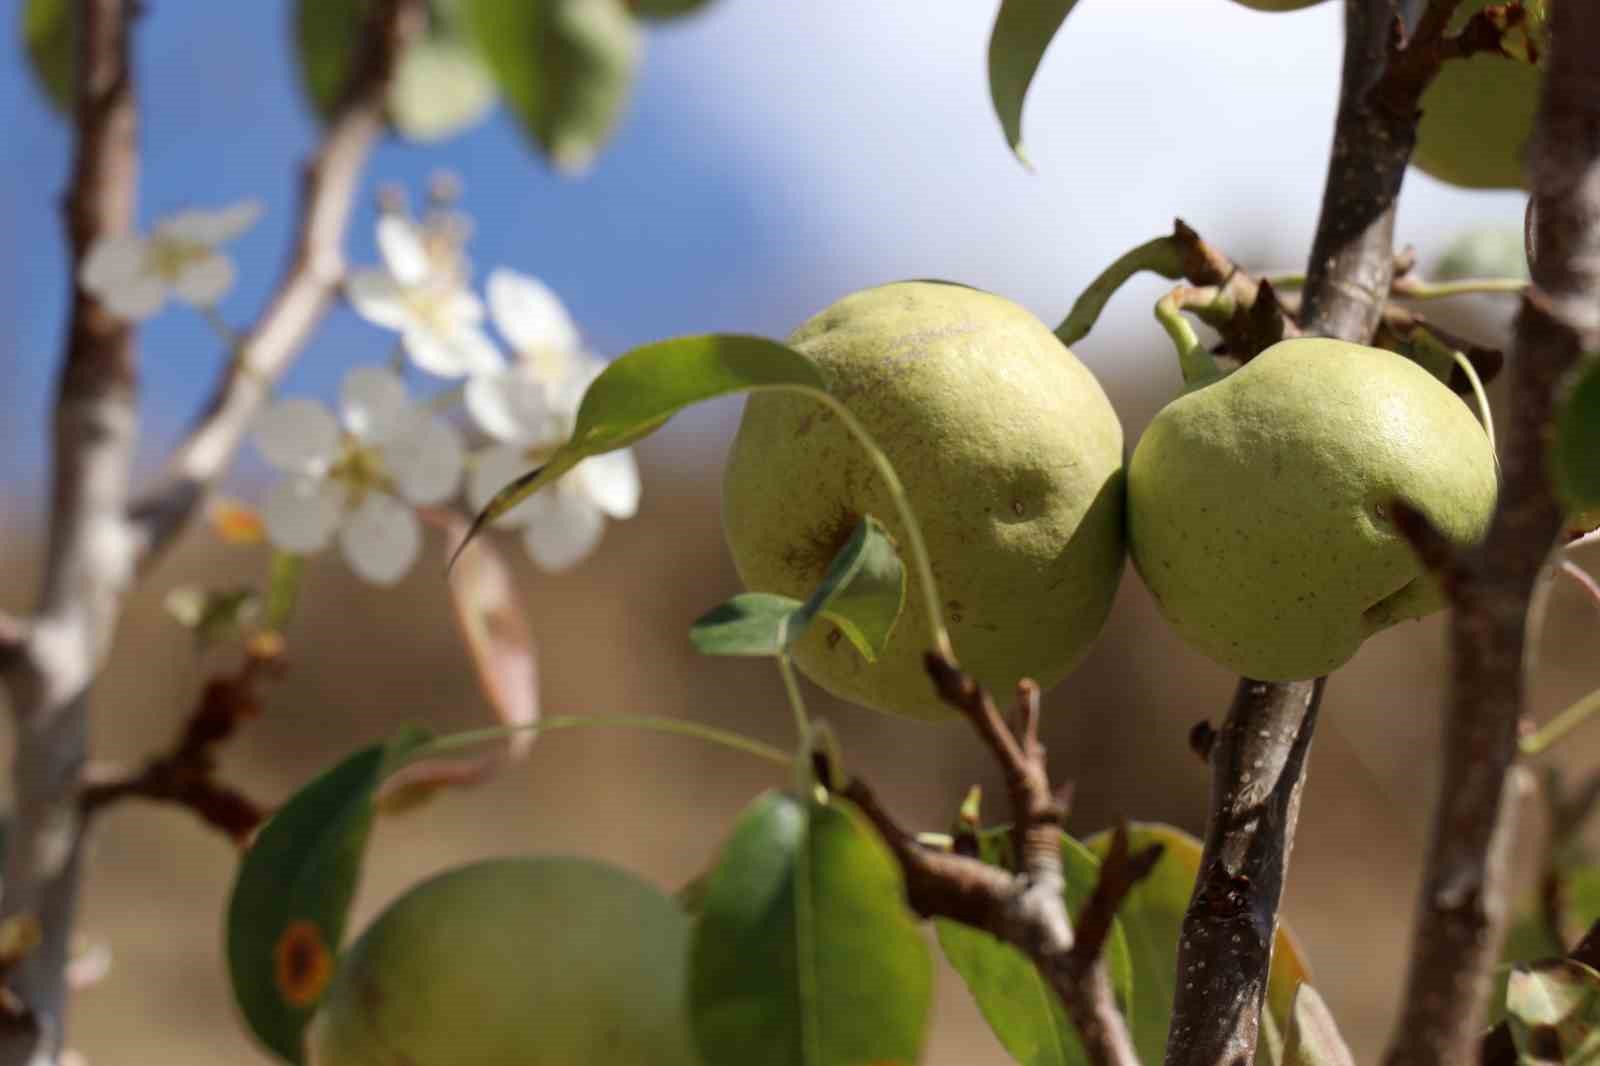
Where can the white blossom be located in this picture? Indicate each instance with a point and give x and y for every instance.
(421, 294)
(133, 275)
(359, 476)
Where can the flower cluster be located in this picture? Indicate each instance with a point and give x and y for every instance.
(358, 477)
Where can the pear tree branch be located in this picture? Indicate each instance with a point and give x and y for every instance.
(1462, 907)
(1024, 908)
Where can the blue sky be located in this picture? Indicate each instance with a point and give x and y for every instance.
(775, 155)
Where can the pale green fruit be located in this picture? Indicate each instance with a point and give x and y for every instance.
(540, 961)
(1257, 505)
(1011, 456)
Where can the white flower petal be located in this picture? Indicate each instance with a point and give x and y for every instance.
(461, 352)
(112, 262)
(301, 513)
(211, 227)
(611, 482)
(381, 539)
(379, 299)
(529, 315)
(400, 244)
(477, 353)
(138, 298)
(511, 406)
(373, 403)
(425, 458)
(204, 280)
(562, 530)
(462, 306)
(492, 470)
(297, 435)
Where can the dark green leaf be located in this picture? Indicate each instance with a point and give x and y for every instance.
(47, 38)
(286, 916)
(326, 32)
(805, 953)
(862, 593)
(1152, 919)
(1553, 1009)
(1022, 1009)
(636, 394)
(564, 66)
(752, 623)
(1022, 31)
(661, 10)
(1575, 453)
(1313, 1039)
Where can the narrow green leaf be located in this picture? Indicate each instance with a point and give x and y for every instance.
(752, 623)
(286, 916)
(1152, 919)
(1019, 1005)
(1553, 1009)
(1022, 31)
(805, 953)
(1575, 452)
(637, 393)
(326, 32)
(564, 66)
(283, 588)
(47, 38)
(1313, 1039)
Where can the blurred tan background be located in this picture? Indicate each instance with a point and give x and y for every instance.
(772, 161)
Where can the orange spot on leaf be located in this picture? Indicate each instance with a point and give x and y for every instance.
(303, 963)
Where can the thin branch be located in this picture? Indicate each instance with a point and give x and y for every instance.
(304, 292)
(1463, 902)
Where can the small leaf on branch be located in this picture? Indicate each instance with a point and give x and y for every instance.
(1023, 29)
(1553, 1009)
(48, 39)
(805, 953)
(1575, 452)
(293, 893)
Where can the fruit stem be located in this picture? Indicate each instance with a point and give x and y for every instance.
(932, 603)
(652, 723)
(1484, 413)
(1435, 290)
(1199, 368)
(1161, 256)
(797, 705)
(1540, 741)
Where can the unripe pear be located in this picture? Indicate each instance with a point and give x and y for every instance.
(1009, 452)
(538, 961)
(1258, 505)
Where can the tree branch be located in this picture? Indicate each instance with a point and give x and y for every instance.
(304, 292)
(1462, 908)
(1026, 909)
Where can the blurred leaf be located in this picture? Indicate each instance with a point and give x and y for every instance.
(1023, 29)
(565, 67)
(283, 589)
(805, 953)
(862, 594)
(495, 629)
(1152, 919)
(637, 393)
(47, 38)
(1313, 1039)
(441, 86)
(661, 10)
(286, 916)
(1553, 1009)
(1575, 452)
(1019, 1005)
(1485, 252)
(1529, 937)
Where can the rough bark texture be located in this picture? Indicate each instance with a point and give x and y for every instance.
(1463, 902)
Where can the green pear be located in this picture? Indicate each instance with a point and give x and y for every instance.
(1009, 452)
(537, 961)
(1258, 504)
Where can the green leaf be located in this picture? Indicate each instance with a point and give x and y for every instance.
(1022, 31)
(565, 67)
(286, 916)
(1529, 937)
(1019, 1005)
(637, 393)
(326, 32)
(1152, 919)
(283, 589)
(1313, 1039)
(805, 953)
(1575, 452)
(1553, 1009)
(862, 594)
(47, 38)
